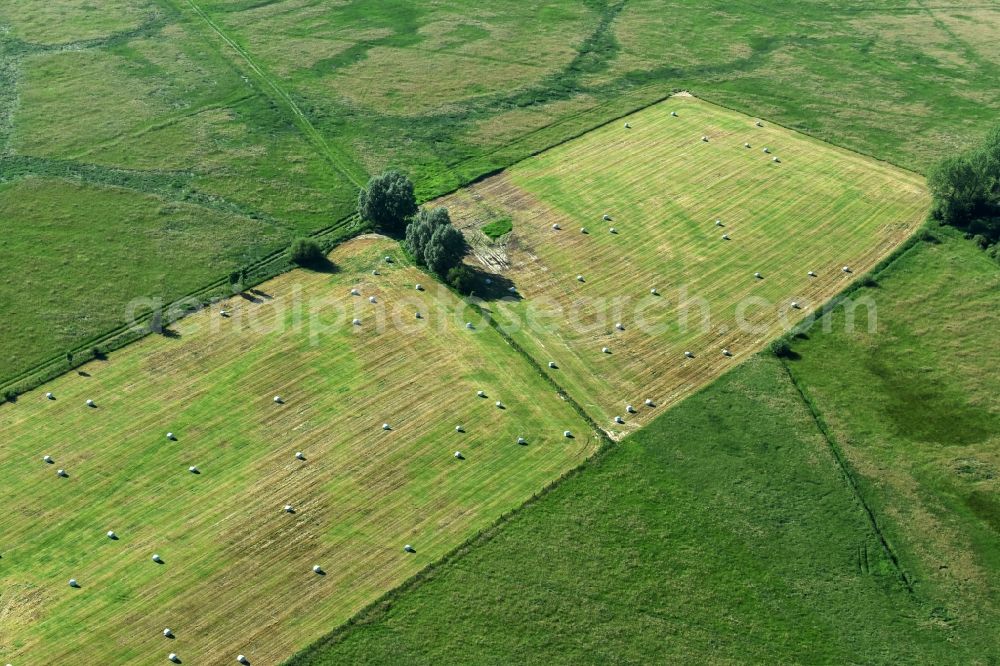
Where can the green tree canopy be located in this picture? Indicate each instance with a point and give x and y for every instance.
(966, 189)
(388, 201)
(421, 228)
(444, 249)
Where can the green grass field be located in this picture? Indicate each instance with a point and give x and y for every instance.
(819, 209)
(274, 109)
(237, 576)
(723, 532)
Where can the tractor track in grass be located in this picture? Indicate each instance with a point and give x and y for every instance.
(272, 88)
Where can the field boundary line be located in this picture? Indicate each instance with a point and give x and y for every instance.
(338, 160)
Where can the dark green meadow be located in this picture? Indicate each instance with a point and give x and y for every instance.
(274, 111)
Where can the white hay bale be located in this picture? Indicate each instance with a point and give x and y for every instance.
(417, 315)
(458, 455)
(194, 470)
(673, 113)
(156, 558)
(481, 394)
(522, 441)
(73, 583)
(50, 396)
(704, 138)
(846, 269)
(567, 434)
(242, 659)
(418, 287)
(620, 326)
(499, 404)
(90, 403)
(355, 292)
(579, 278)
(223, 313)
(356, 322)
(726, 352)
(795, 305)
(300, 456)
(168, 633)
(759, 124)
(289, 508)
(317, 569)
(605, 350)
(718, 223)
(766, 149)
(469, 325)
(47, 459)
(630, 409)
(552, 364)
(606, 218)
(650, 403)
(612, 230)
(689, 354)
(372, 300)
(627, 126)
(171, 436)
(375, 272)
(725, 236)
(409, 549)
(775, 159)
(112, 535)
(746, 145)
(388, 259)
(386, 426)
(654, 292)
(619, 420)
(174, 658)
(512, 290)
(583, 230)
(758, 276)
(278, 400)
(459, 428)
(61, 473)
(556, 227)
(811, 274)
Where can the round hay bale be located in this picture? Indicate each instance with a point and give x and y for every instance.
(619, 420)
(758, 276)
(606, 218)
(356, 322)
(156, 558)
(223, 313)
(766, 149)
(620, 326)
(469, 325)
(317, 569)
(289, 508)
(458, 455)
(725, 236)
(846, 269)
(811, 274)
(627, 126)
(650, 403)
(459, 428)
(654, 292)
(194, 470)
(388, 259)
(579, 278)
(171, 436)
(775, 159)
(605, 350)
(746, 145)
(375, 272)
(583, 230)
(300, 456)
(386, 426)
(718, 223)
(759, 124)
(630, 409)
(61, 473)
(795, 305)
(522, 441)
(91, 403)
(243, 660)
(372, 300)
(556, 227)
(112, 535)
(409, 549)
(168, 633)
(673, 113)
(47, 459)
(612, 230)
(481, 394)
(567, 434)
(418, 287)
(355, 292)
(705, 139)
(552, 364)
(726, 352)
(278, 400)
(689, 354)
(73, 583)
(174, 658)
(417, 315)
(499, 405)
(50, 396)
(512, 290)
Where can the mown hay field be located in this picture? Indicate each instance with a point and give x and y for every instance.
(819, 209)
(237, 569)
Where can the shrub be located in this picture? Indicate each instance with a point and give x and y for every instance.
(927, 236)
(421, 228)
(966, 189)
(388, 201)
(306, 252)
(445, 249)
(462, 278)
(781, 348)
(9, 395)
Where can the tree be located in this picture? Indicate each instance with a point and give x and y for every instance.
(388, 201)
(444, 249)
(966, 190)
(421, 228)
(462, 278)
(306, 252)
